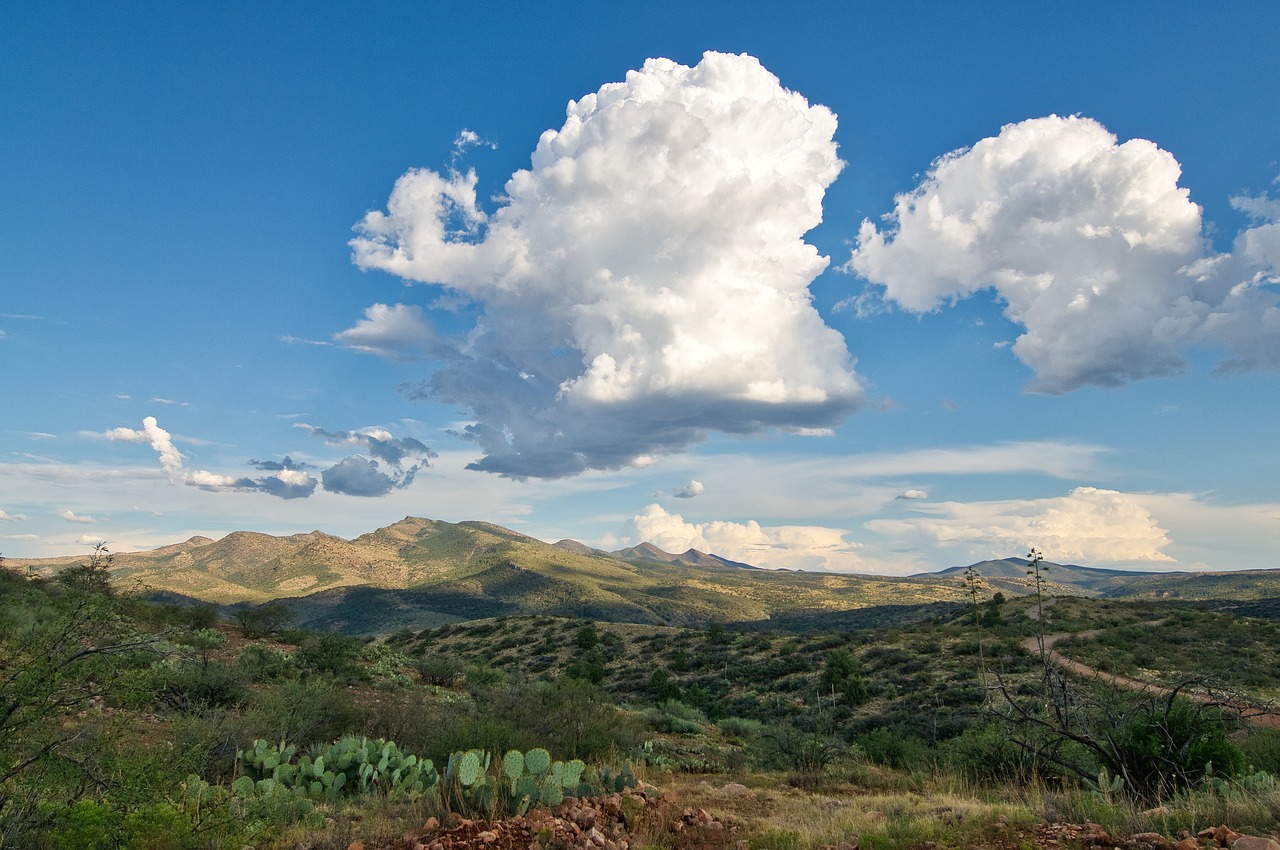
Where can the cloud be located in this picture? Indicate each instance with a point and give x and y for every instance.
(1093, 247)
(774, 547)
(159, 440)
(913, 494)
(688, 491)
(358, 476)
(71, 516)
(470, 138)
(277, 465)
(1087, 524)
(397, 333)
(288, 482)
(395, 461)
(645, 282)
(8, 517)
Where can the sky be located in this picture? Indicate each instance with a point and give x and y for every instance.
(861, 287)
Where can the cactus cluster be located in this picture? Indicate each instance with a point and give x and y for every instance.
(350, 765)
(521, 781)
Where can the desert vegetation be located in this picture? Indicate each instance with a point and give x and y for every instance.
(129, 723)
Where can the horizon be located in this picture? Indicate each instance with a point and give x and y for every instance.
(642, 544)
(846, 289)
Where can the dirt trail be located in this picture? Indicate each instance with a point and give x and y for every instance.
(1246, 712)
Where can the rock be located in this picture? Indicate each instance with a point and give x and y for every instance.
(1188, 843)
(733, 788)
(488, 836)
(432, 824)
(1151, 839)
(1225, 835)
(356, 845)
(1255, 842)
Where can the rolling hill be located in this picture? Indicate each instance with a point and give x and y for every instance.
(419, 573)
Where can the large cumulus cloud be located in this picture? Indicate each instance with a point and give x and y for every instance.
(805, 547)
(1088, 524)
(644, 282)
(1093, 247)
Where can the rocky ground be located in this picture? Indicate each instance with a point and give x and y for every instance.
(647, 818)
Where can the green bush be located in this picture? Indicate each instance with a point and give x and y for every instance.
(895, 748)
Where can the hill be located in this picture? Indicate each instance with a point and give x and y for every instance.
(422, 573)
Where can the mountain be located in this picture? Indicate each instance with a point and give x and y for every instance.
(649, 552)
(421, 572)
(1010, 574)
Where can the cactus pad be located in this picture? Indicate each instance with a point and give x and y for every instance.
(513, 764)
(537, 761)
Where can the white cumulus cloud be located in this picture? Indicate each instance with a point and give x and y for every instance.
(1093, 247)
(8, 517)
(806, 547)
(1088, 524)
(287, 482)
(688, 491)
(644, 282)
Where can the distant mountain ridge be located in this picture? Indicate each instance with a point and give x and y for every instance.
(419, 572)
(649, 552)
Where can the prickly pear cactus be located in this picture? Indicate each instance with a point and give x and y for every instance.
(537, 761)
(513, 764)
(469, 768)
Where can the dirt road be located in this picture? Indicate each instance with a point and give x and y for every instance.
(1249, 713)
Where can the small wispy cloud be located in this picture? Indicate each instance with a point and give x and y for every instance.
(171, 401)
(298, 340)
(8, 517)
(913, 494)
(71, 516)
(470, 139)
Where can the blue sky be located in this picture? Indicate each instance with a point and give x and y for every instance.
(872, 287)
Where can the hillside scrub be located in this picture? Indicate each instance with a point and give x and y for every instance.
(130, 720)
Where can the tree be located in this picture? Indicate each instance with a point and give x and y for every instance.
(1156, 742)
(841, 673)
(62, 644)
(263, 621)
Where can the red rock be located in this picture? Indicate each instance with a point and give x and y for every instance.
(356, 845)
(432, 824)
(1188, 843)
(1225, 835)
(1255, 842)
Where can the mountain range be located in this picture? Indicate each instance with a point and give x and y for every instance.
(420, 572)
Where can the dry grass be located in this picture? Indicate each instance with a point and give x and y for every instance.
(778, 816)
